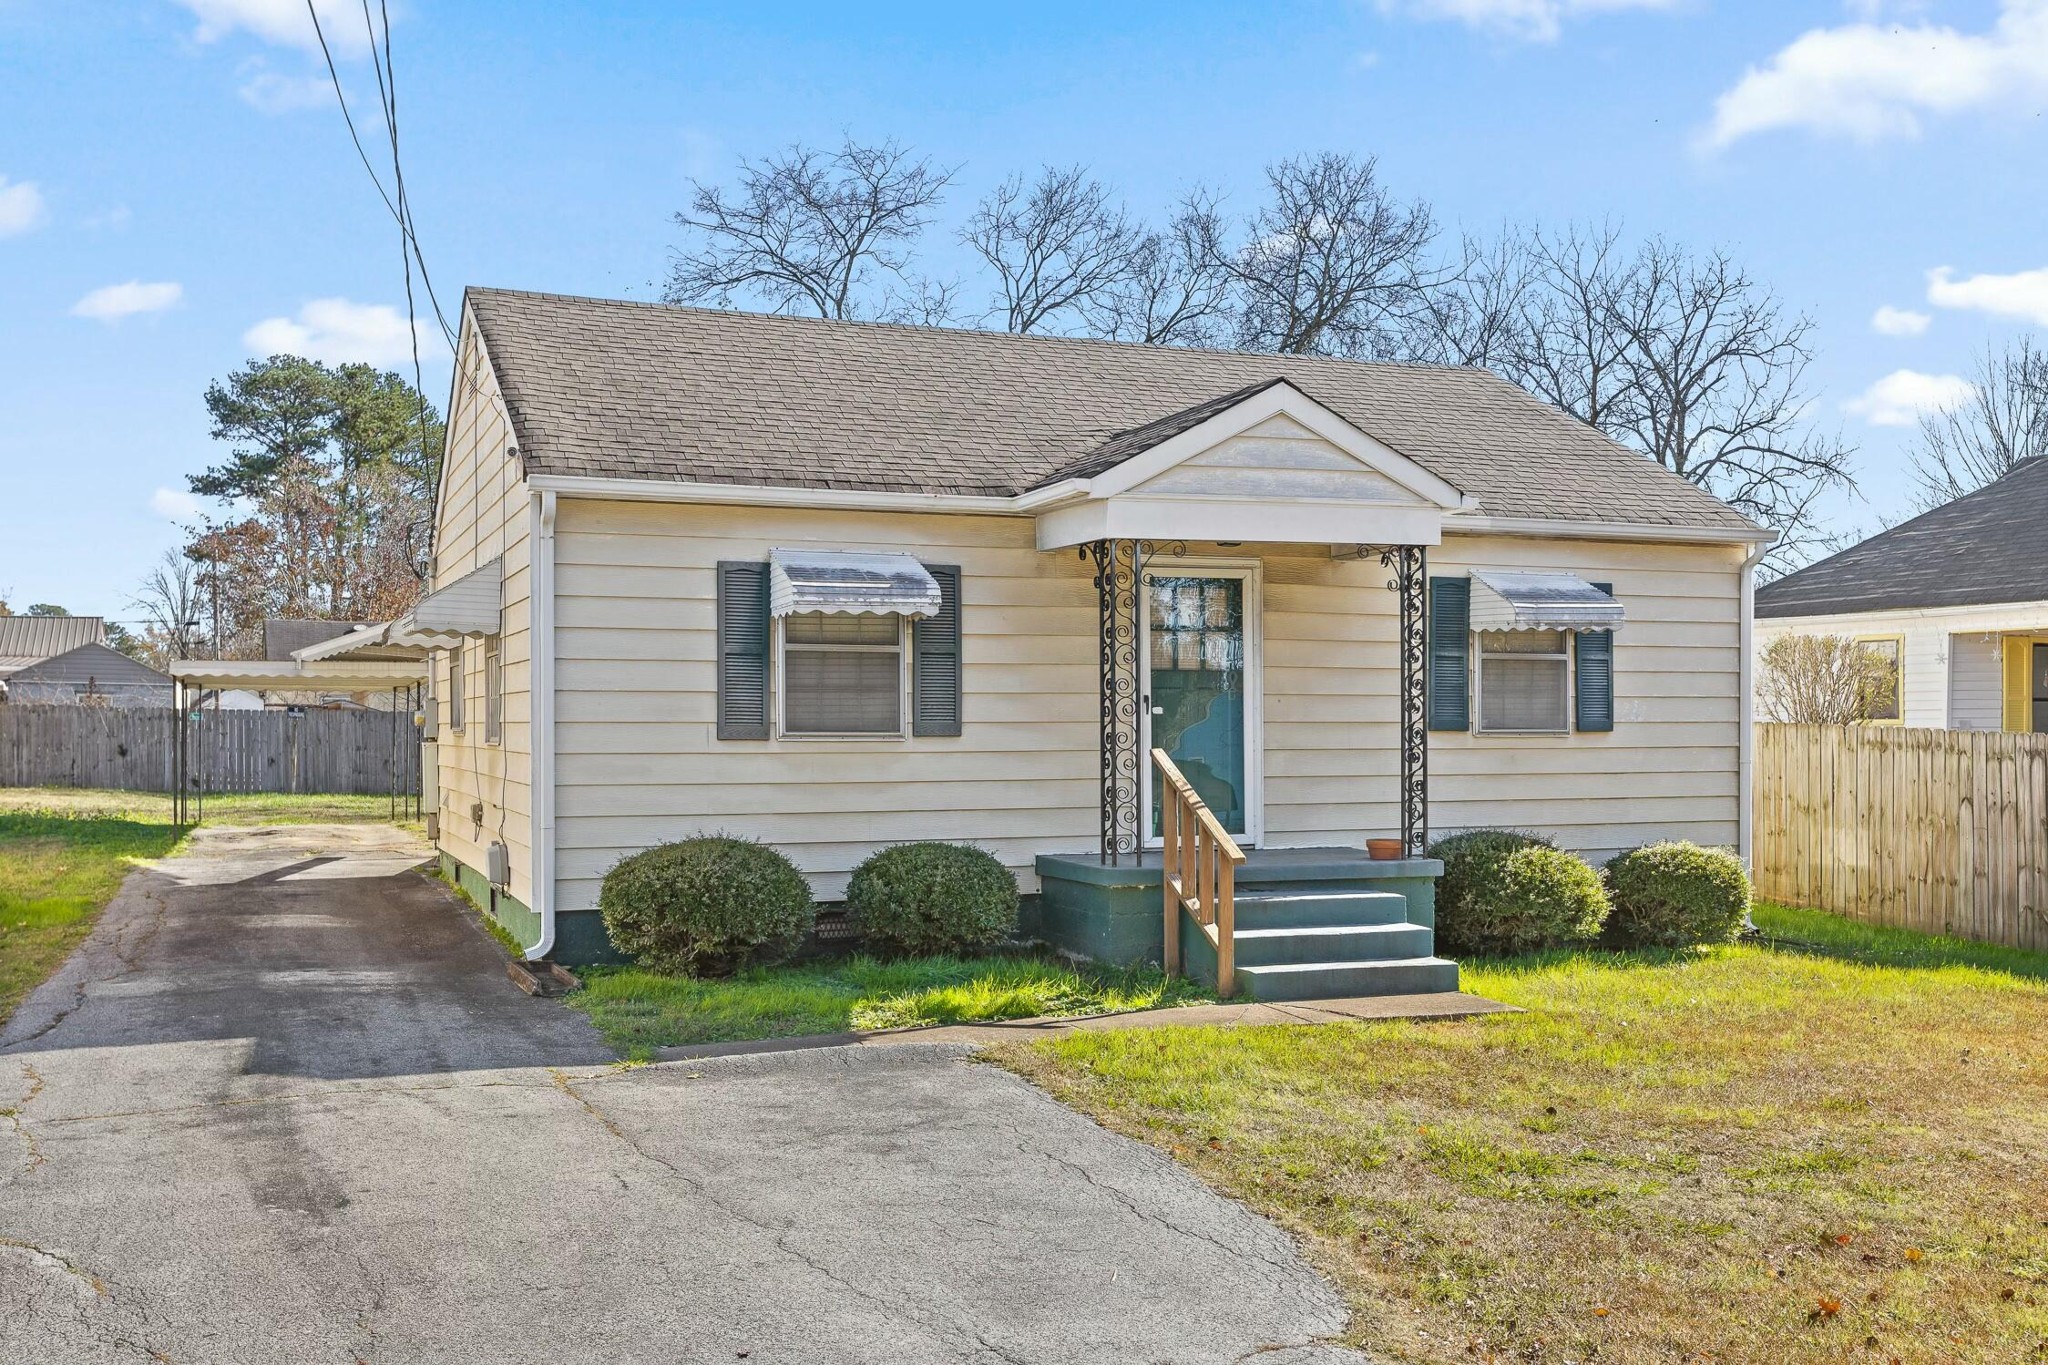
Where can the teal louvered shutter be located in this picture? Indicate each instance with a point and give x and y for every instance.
(1593, 659)
(935, 660)
(742, 650)
(1450, 653)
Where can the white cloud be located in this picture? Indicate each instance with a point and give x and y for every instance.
(1902, 397)
(338, 332)
(113, 302)
(275, 93)
(175, 504)
(2022, 294)
(1898, 322)
(282, 21)
(21, 207)
(1870, 81)
(1532, 20)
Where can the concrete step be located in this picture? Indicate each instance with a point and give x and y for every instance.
(1333, 943)
(1333, 980)
(1303, 908)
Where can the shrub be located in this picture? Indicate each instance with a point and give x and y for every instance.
(706, 906)
(1676, 895)
(932, 898)
(1506, 892)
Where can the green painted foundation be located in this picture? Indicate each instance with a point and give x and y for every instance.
(520, 922)
(1115, 914)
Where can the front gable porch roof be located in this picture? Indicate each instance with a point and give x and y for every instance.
(657, 394)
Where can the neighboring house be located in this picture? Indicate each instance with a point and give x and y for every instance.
(285, 637)
(63, 659)
(837, 586)
(91, 674)
(1955, 600)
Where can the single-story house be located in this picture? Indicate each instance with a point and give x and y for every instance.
(91, 675)
(837, 586)
(1955, 600)
(66, 659)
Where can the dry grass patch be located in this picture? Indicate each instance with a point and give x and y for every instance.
(1833, 1153)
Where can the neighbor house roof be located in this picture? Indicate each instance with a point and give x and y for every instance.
(621, 390)
(284, 635)
(26, 640)
(1986, 547)
(106, 668)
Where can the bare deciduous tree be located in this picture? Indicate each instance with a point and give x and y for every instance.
(1177, 289)
(169, 604)
(1331, 264)
(1570, 350)
(1714, 369)
(2004, 422)
(1826, 680)
(1055, 246)
(808, 229)
(1477, 312)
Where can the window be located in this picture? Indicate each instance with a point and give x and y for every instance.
(494, 692)
(842, 674)
(455, 681)
(1879, 687)
(1524, 681)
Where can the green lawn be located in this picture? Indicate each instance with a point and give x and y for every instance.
(1829, 1148)
(65, 851)
(639, 1011)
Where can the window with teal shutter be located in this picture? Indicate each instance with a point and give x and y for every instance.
(742, 650)
(1450, 653)
(1593, 661)
(935, 660)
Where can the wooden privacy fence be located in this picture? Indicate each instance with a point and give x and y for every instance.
(1944, 831)
(317, 753)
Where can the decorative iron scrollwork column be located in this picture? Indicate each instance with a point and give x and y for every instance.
(1119, 601)
(1409, 582)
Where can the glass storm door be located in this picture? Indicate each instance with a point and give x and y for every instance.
(1195, 687)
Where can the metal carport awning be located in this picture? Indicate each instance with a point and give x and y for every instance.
(1540, 601)
(849, 581)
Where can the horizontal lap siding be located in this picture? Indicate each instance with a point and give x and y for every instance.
(636, 701)
(637, 761)
(485, 515)
(1669, 767)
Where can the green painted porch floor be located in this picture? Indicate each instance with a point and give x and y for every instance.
(1225, 1014)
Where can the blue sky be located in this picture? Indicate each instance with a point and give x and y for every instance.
(177, 191)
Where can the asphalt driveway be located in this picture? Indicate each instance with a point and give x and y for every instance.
(284, 1106)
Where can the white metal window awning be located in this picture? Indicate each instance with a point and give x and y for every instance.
(849, 581)
(471, 605)
(1541, 601)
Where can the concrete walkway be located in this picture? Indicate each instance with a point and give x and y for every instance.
(285, 1106)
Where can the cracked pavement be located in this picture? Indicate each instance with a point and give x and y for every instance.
(285, 1106)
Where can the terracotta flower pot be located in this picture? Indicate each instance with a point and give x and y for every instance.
(1384, 850)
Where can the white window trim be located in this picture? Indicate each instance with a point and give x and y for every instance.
(458, 688)
(779, 682)
(494, 689)
(1253, 572)
(1479, 725)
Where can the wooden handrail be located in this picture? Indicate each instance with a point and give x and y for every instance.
(1199, 863)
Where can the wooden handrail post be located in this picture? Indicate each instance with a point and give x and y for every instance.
(1197, 872)
(1169, 883)
(1226, 929)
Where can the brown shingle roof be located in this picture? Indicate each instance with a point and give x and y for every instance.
(649, 391)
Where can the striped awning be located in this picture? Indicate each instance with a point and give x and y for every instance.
(850, 581)
(1540, 601)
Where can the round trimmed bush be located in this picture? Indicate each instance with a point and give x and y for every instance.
(706, 906)
(932, 898)
(1676, 895)
(1505, 892)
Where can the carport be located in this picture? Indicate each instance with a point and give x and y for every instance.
(404, 678)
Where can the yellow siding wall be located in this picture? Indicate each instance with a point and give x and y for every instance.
(484, 514)
(638, 761)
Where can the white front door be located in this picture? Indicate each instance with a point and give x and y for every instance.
(1199, 688)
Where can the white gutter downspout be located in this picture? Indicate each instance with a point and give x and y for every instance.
(1745, 760)
(541, 697)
